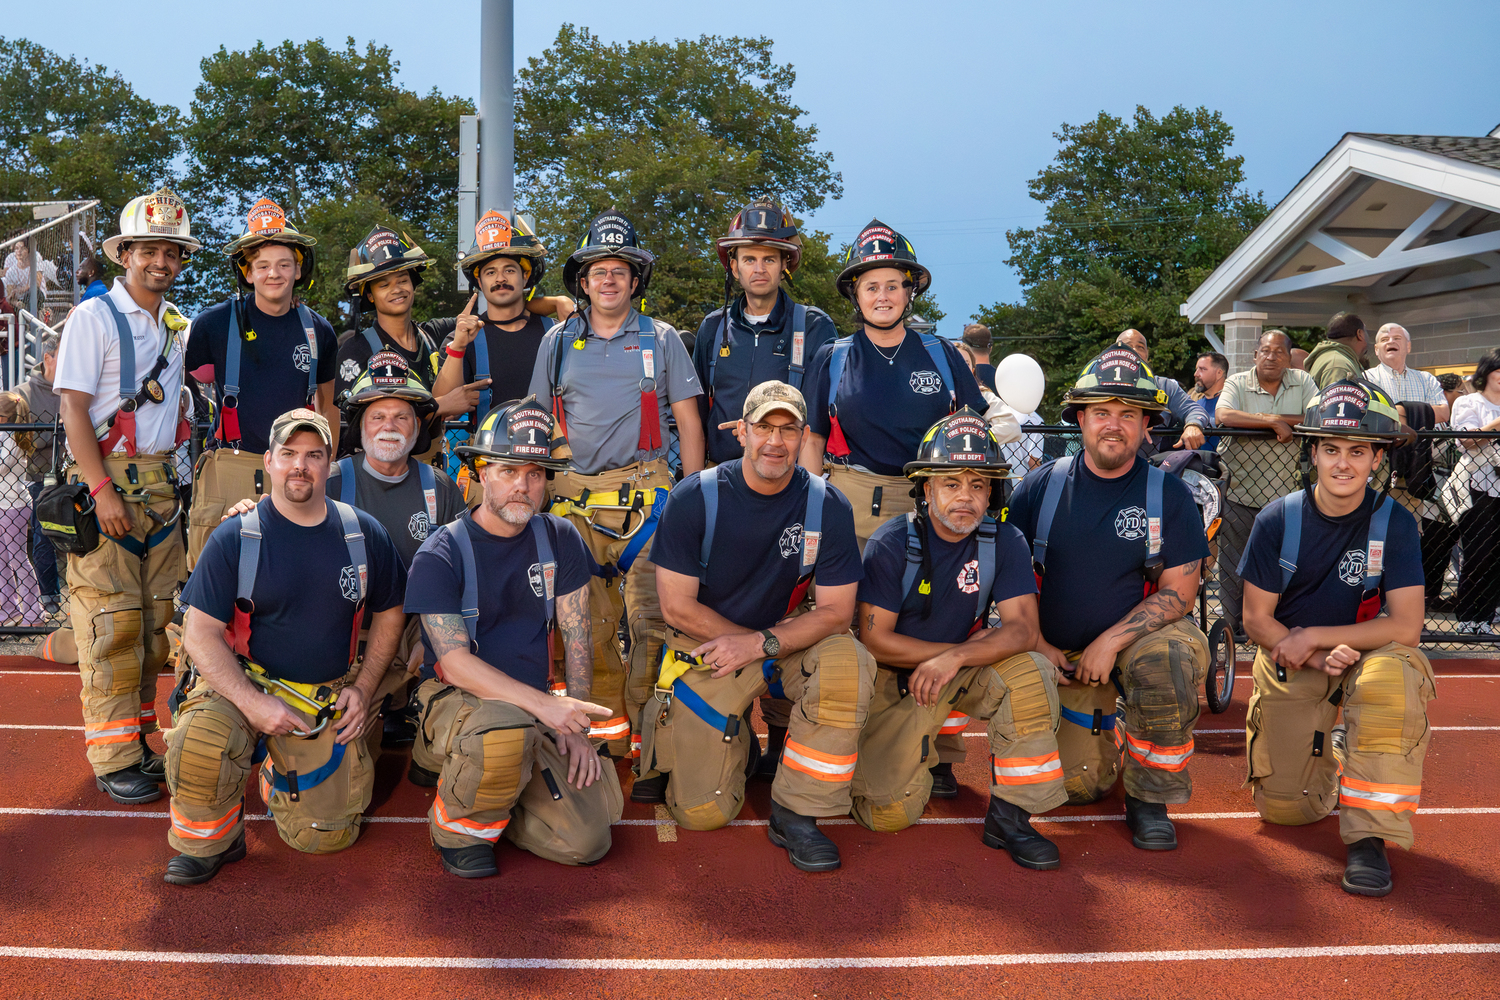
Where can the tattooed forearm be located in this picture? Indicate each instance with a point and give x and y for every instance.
(445, 633)
(576, 630)
(1161, 608)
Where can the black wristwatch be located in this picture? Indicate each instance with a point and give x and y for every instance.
(772, 645)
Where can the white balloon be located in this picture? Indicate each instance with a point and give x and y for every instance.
(1019, 382)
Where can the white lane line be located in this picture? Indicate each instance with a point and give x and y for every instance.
(12, 725)
(736, 964)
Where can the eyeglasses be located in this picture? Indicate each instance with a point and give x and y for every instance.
(785, 431)
(617, 273)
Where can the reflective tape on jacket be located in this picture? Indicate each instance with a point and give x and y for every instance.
(117, 731)
(1028, 770)
(610, 730)
(1161, 758)
(956, 722)
(823, 766)
(466, 827)
(1371, 795)
(213, 829)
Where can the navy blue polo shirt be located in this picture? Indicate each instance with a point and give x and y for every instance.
(955, 579)
(1329, 582)
(756, 555)
(886, 403)
(305, 590)
(512, 629)
(1097, 546)
(274, 363)
(758, 352)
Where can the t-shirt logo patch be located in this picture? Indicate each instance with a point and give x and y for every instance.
(302, 358)
(349, 584)
(349, 370)
(926, 383)
(1130, 524)
(418, 525)
(791, 541)
(1352, 567)
(968, 577)
(534, 577)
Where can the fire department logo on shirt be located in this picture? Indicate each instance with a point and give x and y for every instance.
(926, 383)
(349, 584)
(1130, 524)
(418, 526)
(791, 541)
(1352, 567)
(534, 577)
(302, 358)
(968, 577)
(348, 370)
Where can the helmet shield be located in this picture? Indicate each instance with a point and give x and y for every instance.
(499, 235)
(388, 377)
(521, 433)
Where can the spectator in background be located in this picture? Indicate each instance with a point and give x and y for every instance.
(20, 603)
(1441, 534)
(1403, 384)
(42, 403)
(1209, 373)
(1479, 580)
(1299, 359)
(1341, 353)
(91, 278)
(1184, 410)
(977, 336)
(18, 272)
(1271, 396)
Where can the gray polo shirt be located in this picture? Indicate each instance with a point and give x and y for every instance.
(1262, 469)
(601, 389)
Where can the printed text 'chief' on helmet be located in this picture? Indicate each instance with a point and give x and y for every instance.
(160, 215)
(878, 245)
(497, 234)
(764, 223)
(520, 433)
(388, 377)
(1117, 375)
(265, 224)
(1355, 409)
(610, 237)
(384, 251)
(960, 442)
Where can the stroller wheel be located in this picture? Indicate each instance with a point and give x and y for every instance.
(1221, 653)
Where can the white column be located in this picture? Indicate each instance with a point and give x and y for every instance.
(1242, 332)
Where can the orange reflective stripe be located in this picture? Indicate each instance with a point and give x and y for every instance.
(957, 722)
(213, 829)
(118, 731)
(1028, 770)
(614, 727)
(635, 744)
(1373, 795)
(466, 827)
(1161, 758)
(823, 766)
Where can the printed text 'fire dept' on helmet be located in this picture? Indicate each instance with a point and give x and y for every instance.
(265, 224)
(960, 442)
(610, 237)
(388, 377)
(1355, 409)
(160, 215)
(878, 245)
(499, 235)
(1117, 375)
(519, 433)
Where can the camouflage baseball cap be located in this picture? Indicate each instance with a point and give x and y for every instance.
(296, 420)
(769, 396)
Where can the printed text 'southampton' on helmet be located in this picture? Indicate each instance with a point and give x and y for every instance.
(520, 433)
(1355, 409)
(1117, 375)
(610, 237)
(388, 377)
(878, 245)
(497, 234)
(265, 224)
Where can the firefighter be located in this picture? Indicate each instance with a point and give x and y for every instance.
(1321, 566)
(1118, 546)
(925, 606)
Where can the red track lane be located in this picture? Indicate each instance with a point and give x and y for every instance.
(95, 883)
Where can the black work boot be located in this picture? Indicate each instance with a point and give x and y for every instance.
(944, 784)
(130, 786)
(153, 765)
(651, 791)
(805, 844)
(188, 870)
(765, 769)
(1149, 827)
(398, 727)
(419, 775)
(474, 861)
(1008, 827)
(1368, 872)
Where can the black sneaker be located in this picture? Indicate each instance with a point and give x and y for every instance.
(130, 786)
(1150, 828)
(1368, 871)
(1008, 827)
(807, 847)
(944, 784)
(185, 869)
(474, 861)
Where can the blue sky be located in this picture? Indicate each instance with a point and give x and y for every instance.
(937, 113)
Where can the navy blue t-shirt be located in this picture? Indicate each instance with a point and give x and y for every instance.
(273, 365)
(955, 579)
(886, 403)
(305, 590)
(756, 556)
(1097, 546)
(984, 374)
(1329, 582)
(512, 629)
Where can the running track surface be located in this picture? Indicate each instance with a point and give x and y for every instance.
(1240, 909)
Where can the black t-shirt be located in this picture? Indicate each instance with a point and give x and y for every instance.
(756, 556)
(512, 628)
(1331, 557)
(887, 402)
(955, 579)
(1097, 546)
(512, 358)
(354, 353)
(305, 590)
(274, 363)
(984, 374)
(401, 506)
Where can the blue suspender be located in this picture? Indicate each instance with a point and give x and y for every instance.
(469, 603)
(482, 372)
(836, 362)
(708, 483)
(250, 535)
(233, 345)
(643, 534)
(347, 485)
(1375, 556)
(812, 520)
(547, 562)
(1155, 478)
(1056, 480)
(305, 316)
(799, 346)
(1291, 540)
(988, 534)
(1291, 536)
(128, 388)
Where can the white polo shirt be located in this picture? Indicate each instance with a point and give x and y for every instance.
(88, 360)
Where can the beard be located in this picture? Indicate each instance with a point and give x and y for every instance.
(387, 446)
(514, 509)
(1109, 461)
(960, 522)
(298, 490)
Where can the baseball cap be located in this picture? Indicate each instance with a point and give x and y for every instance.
(296, 420)
(770, 396)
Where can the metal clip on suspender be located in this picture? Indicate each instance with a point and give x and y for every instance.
(651, 436)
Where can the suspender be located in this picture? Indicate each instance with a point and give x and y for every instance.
(838, 446)
(482, 372)
(795, 370)
(229, 422)
(121, 424)
(469, 603)
(1057, 478)
(988, 532)
(428, 478)
(651, 432)
(812, 524)
(1291, 541)
(1062, 471)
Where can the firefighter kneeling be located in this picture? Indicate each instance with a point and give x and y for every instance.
(1320, 567)
(931, 578)
(275, 605)
(508, 759)
(736, 550)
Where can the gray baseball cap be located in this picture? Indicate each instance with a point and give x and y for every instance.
(770, 396)
(296, 420)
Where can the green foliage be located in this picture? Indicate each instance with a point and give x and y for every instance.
(1138, 214)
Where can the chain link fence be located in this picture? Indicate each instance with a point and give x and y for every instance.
(43, 249)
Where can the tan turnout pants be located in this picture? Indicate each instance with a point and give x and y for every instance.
(222, 478)
(1288, 740)
(316, 790)
(120, 603)
(494, 760)
(1017, 696)
(620, 688)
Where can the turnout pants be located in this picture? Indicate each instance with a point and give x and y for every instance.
(316, 790)
(495, 762)
(1148, 710)
(830, 686)
(1017, 696)
(222, 478)
(620, 688)
(120, 603)
(1293, 767)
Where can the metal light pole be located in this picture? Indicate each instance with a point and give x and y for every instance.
(497, 108)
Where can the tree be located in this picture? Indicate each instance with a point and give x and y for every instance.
(1138, 214)
(678, 136)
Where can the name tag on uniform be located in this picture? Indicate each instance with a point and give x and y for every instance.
(1376, 560)
(811, 540)
(648, 360)
(799, 343)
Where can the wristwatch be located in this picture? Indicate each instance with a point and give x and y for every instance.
(772, 645)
